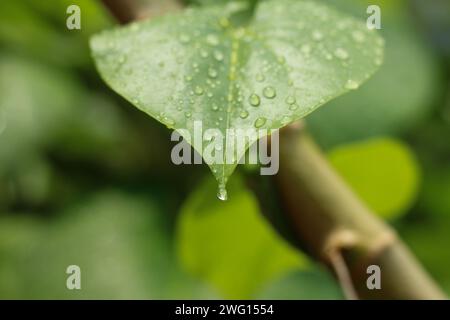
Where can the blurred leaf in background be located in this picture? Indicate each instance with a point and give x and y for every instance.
(303, 285)
(37, 29)
(122, 244)
(230, 244)
(391, 168)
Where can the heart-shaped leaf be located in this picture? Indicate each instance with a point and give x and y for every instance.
(283, 63)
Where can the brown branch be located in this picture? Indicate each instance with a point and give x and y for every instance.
(123, 10)
(328, 218)
(126, 11)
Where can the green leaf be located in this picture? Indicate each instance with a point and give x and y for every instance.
(28, 118)
(383, 172)
(292, 57)
(231, 245)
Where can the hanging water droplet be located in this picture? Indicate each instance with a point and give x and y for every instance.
(254, 100)
(341, 54)
(269, 92)
(215, 107)
(244, 114)
(260, 122)
(222, 193)
(188, 114)
(351, 85)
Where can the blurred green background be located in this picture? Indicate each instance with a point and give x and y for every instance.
(86, 179)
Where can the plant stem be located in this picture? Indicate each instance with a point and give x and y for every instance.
(329, 219)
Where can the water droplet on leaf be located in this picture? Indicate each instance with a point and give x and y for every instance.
(290, 100)
(199, 90)
(351, 85)
(269, 92)
(244, 114)
(260, 122)
(254, 100)
(341, 54)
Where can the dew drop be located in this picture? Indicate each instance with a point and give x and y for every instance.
(168, 121)
(293, 107)
(188, 114)
(212, 73)
(351, 85)
(306, 49)
(269, 92)
(122, 59)
(317, 35)
(260, 77)
(254, 100)
(281, 60)
(285, 119)
(199, 90)
(358, 36)
(212, 39)
(244, 114)
(215, 107)
(204, 54)
(290, 100)
(341, 54)
(260, 122)
(184, 38)
(218, 55)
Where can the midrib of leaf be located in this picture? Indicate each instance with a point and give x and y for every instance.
(234, 53)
